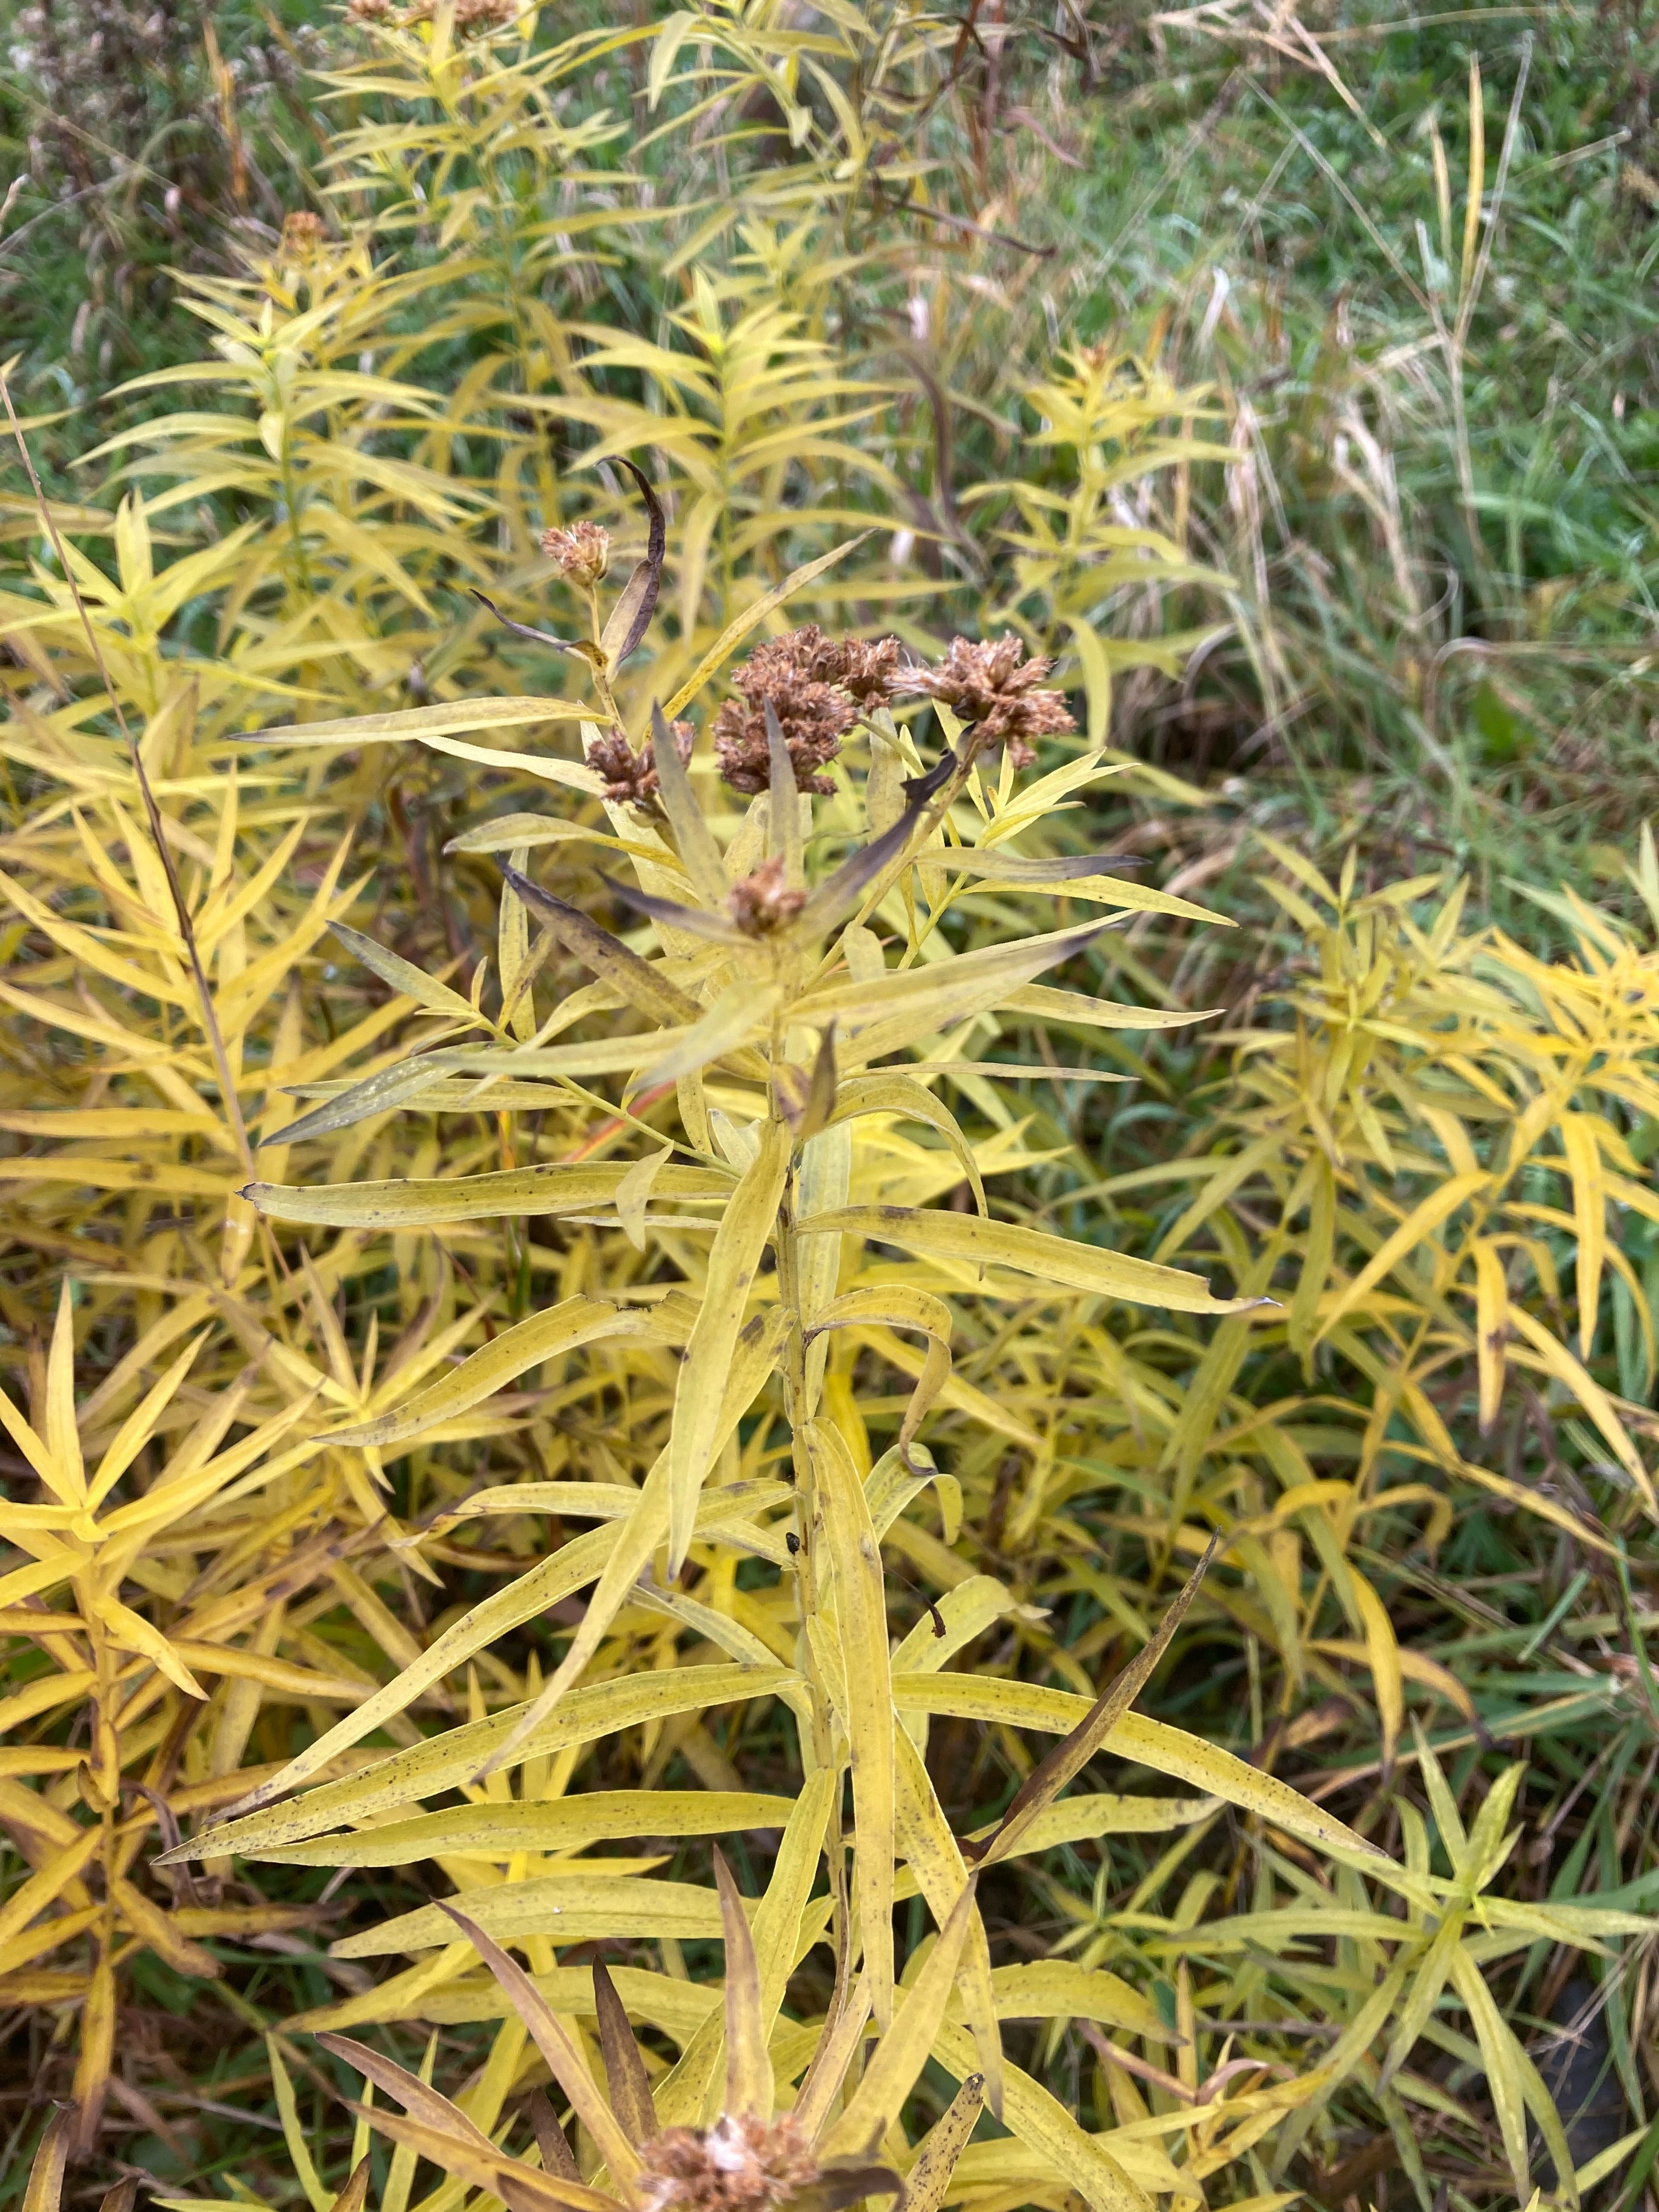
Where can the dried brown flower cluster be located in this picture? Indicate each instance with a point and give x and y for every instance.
(763, 902)
(472, 16)
(304, 236)
(993, 686)
(803, 678)
(861, 666)
(742, 2165)
(580, 554)
(631, 777)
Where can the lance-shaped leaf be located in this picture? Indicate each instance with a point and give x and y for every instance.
(756, 613)
(838, 896)
(557, 2157)
(554, 1824)
(629, 2083)
(879, 1092)
(929, 2178)
(782, 801)
(686, 2097)
(901, 2054)
(436, 1766)
(565, 2062)
(552, 1187)
(751, 1361)
(718, 927)
(1064, 878)
(380, 1093)
(1068, 1759)
(1032, 870)
(44, 2192)
(1046, 1005)
(700, 855)
(807, 1101)
(1055, 1260)
(741, 1012)
(505, 832)
(748, 2064)
(861, 1621)
(446, 719)
(403, 977)
(539, 1337)
(639, 983)
(631, 615)
(900, 1307)
(890, 1013)
(443, 2133)
(521, 2188)
(1140, 1740)
(580, 646)
(747, 1223)
(923, 1835)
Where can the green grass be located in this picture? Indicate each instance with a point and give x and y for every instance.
(1468, 674)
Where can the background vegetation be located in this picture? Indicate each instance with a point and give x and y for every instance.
(1287, 380)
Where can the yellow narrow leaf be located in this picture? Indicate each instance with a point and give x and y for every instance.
(294, 2134)
(1043, 2124)
(1144, 1741)
(929, 2178)
(1067, 1760)
(565, 2061)
(861, 1617)
(1499, 2051)
(1590, 1212)
(556, 1186)
(527, 1344)
(747, 1222)
(433, 1768)
(634, 1193)
(1422, 1221)
(1055, 1260)
(905, 2049)
(755, 613)
(62, 1439)
(1382, 1653)
(1559, 1362)
(1492, 1321)
(44, 2192)
(923, 1836)
(748, 2066)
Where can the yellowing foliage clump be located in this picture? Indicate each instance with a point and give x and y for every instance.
(481, 1179)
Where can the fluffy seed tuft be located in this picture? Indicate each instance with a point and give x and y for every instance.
(741, 2165)
(763, 902)
(992, 685)
(631, 777)
(581, 554)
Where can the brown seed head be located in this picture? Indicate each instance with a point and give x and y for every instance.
(763, 902)
(631, 777)
(580, 554)
(814, 709)
(304, 236)
(993, 686)
(741, 2165)
(371, 11)
(860, 666)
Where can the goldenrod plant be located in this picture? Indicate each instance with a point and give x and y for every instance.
(560, 1328)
